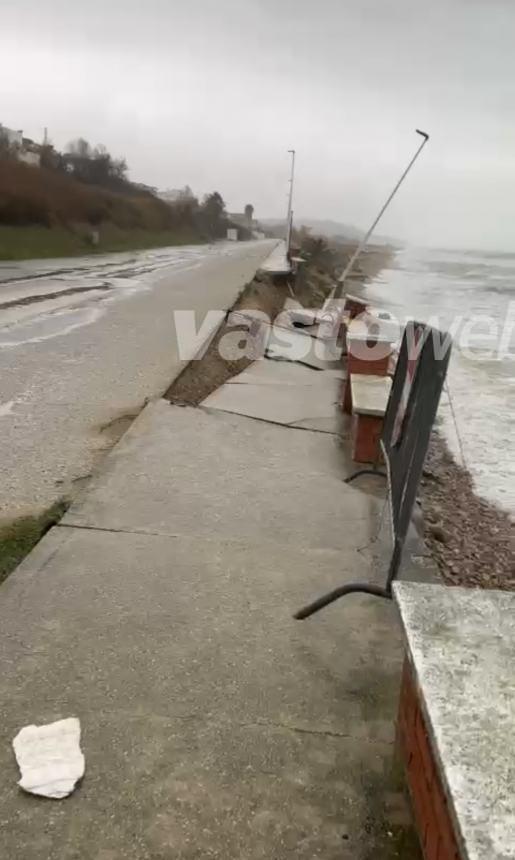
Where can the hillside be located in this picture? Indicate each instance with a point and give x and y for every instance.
(331, 229)
(46, 213)
(319, 227)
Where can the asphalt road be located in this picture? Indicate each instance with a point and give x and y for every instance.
(83, 343)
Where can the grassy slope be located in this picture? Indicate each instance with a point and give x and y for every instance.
(29, 243)
(48, 214)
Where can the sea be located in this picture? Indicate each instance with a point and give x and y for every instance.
(470, 294)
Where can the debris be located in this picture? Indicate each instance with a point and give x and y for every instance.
(50, 758)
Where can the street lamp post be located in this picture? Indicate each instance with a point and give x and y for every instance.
(362, 245)
(290, 202)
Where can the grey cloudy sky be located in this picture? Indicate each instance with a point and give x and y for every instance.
(213, 92)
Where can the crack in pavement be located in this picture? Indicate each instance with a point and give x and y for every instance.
(210, 410)
(303, 731)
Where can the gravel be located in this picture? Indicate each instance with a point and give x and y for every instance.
(470, 538)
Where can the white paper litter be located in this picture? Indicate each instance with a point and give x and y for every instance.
(50, 758)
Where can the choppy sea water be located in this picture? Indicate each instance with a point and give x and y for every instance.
(472, 295)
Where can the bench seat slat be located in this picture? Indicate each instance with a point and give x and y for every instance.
(370, 394)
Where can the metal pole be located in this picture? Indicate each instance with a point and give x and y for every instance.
(290, 202)
(362, 245)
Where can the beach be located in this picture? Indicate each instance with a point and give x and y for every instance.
(467, 493)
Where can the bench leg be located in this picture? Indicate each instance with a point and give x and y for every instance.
(360, 472)
(356, 588)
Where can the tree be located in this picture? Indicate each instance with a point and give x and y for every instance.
(212, 214)
(119, 170)
(7, 148)
(80, 147)
(95, 166)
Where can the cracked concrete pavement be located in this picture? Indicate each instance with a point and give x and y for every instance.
(85, 342)
(160, 613)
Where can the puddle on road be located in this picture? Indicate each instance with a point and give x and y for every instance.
(27, 318)
(43, 328)
(48, 296)
(120, 264)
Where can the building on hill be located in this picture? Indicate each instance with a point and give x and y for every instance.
(245, 221)
(14, 138)
(30, 152)
(23, 148)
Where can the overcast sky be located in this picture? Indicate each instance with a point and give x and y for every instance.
(213, 92)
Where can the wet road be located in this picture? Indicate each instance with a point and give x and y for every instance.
(83, 342)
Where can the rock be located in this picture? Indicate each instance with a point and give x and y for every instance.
(429, 473)
(438, 533)
(49, 757)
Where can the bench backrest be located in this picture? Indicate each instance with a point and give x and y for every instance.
(416, 389)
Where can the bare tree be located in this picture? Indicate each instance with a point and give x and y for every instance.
(212, 214)
(95, 165)
(80, 147)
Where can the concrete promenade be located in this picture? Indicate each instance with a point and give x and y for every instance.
(75, 366)
(159, 612)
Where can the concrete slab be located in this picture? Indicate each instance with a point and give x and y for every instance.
(279, 404)
(291, 304)
(267, 372)
(311, 330)
(461, 645)
(186, 471)
(294, 345)
(333, 424)
(213, 724)
(306, 320)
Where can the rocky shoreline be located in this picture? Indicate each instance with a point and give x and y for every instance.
(471, 540)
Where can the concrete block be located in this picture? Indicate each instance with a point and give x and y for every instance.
(279, 404)
(186, 471)
(213, 724)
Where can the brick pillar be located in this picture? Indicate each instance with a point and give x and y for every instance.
(434, 823)
(365, 435)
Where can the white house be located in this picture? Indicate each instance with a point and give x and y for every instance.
(24, 148)
(30, 157)
(15, 138)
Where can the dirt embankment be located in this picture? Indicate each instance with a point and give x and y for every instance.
(30, 196)
(203, 375)
(472, 541)
(311, 287)
(316, 280)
